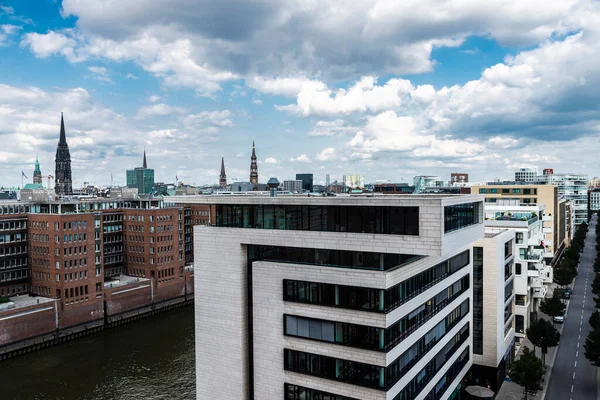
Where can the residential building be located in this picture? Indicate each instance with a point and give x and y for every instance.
(14, 263)
(572, 187)
(526, 174)
(357, 297)
(493, 307)
(528, 193)
(293, 186)
(141, 178)
(532, 275)
(593, 201)
(63, 180)
(354, 181)
(307, 181)
(458, 178)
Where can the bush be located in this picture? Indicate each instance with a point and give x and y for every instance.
(4, 300)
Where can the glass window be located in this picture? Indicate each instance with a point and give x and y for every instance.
(482, 191)
(295, 392)
(461, 215)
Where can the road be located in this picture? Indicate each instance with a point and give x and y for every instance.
(573, 377)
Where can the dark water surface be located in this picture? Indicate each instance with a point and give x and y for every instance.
(150, 359)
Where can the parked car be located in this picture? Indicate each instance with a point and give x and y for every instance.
(559, 319)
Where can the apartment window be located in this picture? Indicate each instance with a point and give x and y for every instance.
(295, 392)
(508, 246)
(518, 268)
(478, 300)
(519, 237)
(493, 190)
(516, 190)
(482, 191)
(461, 216)
(504, 191)
(367, 299)
(526, 191)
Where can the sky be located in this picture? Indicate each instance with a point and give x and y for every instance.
(380, 88)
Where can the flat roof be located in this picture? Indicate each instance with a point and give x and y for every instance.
(24, 300)
(122, 280)
(360, 199)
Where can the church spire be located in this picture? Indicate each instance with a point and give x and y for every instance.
(253, 166)
(37, 173)
(145, 164)
(62, 175)
(223, 177)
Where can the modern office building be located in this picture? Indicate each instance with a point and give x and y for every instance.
(526, 174)
(527, 193)
(293, 186)
(141, 178)
(493, 307)
(354, 181)
(393, 188)
(360, 297)
(532, 275)
(307, 181)
(14, 262)
(421, 182)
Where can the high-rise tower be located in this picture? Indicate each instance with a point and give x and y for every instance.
(253, 167)
(37, 173)
(223, 177)
(63, 183)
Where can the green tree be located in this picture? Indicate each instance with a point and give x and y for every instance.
(596, 284)
(542, 334)
(592, 347)
(553, 306)
(568, 264)
(527, 372)
(595, 320)
(563, 276)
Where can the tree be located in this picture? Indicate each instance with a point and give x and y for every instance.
(563, 276)
(542, 333)
(527, 372)
(596, 284)
(592, 347)
(568, 264)
(553, 306)
(595, 320)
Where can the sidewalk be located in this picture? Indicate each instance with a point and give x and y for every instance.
(512, 391)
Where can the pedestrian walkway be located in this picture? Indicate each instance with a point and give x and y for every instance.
(512, 391)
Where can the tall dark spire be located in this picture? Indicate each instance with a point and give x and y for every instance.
(223, 177)
(63, 179)
(253, 166)
(37, 172)
(145, 165)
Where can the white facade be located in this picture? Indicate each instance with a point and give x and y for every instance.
(246, 327)
(532, 275)
(493, 300)
(594, 200)
(526, 174)
(354, 181)
(294, 186)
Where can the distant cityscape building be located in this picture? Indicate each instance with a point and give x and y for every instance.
(593, 201)
(548, 171)
(327, 180)
(307, 181)
(456, 177)
(273, 183)
(37, 172)
(393, 188)
(354, 181)
(222, 176)
(294, 186)
(594, 183)
(421, 182)
(253, 166)
(526, 174)
(572, 187)
(141, 178)
(63, 184)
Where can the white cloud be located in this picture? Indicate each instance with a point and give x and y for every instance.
(327, 154)
(217, 119)
(7, 10)
(257, 102)
(131, 76)
(6, 31)
(503, 142)
(154, 99)
(100, 74)
(52, 43)
(289, 87)
(302, 158)
(271, 161)
(330, 128)
(159, 109)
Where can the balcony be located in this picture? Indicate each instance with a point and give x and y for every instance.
(531, 256)
(540, 293)
(547, 230)
(533, 273)
(534, 241)
(547, 218)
